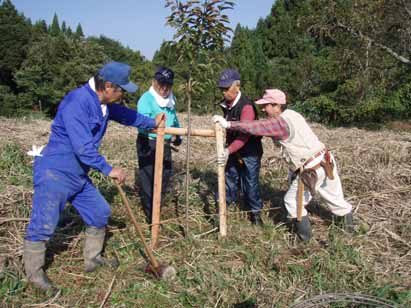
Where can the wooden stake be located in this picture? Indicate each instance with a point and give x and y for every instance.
(158, 179)
(300, 197)
(221, 181)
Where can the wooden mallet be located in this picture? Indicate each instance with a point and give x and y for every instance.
(160, 271)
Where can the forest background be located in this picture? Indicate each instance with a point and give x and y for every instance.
(340, 62)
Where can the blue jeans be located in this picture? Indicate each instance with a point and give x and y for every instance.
(244, 176)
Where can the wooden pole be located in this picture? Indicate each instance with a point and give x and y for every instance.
(158, 179)
(221, 181)
(300, 197)
(181, 131)
(123, 196)
(188, 153)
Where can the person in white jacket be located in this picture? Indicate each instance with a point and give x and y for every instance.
(312, 168)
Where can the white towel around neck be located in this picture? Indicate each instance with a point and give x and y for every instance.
(92, 85)
(161, 101)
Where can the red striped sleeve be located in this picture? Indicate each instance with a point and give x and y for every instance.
(276, 128)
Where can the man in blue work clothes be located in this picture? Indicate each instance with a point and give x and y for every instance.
(60, 171)
(158, 99)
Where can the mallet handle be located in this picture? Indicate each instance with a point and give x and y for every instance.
(123, 196)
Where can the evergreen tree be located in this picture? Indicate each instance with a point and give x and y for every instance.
(14, 39)
(55, 27)
(64, 27)
(40, 27)
(79, 31)
(69, 32)
(54, 66)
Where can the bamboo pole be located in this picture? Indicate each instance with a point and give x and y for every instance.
(184, 132)
(222, 211)
(158, 179)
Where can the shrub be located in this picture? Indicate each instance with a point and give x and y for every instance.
(7, 101)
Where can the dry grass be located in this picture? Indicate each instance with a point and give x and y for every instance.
(252, 267)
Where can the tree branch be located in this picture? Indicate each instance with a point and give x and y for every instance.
(406, 8)
(372, 41)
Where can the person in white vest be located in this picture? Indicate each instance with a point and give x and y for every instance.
(312, 168)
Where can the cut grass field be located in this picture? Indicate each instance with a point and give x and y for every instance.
(252, 267)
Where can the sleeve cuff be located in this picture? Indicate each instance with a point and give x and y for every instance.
(152, 123)
(106, 169)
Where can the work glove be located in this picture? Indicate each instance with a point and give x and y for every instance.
(222, 159)
(176, 140)
(223, 122)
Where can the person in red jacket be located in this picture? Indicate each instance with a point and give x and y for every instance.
(243, 152)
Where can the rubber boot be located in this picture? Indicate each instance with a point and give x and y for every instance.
(34, 256)
(303, 228)
(347, 223)
(93, 247)
(256, 219)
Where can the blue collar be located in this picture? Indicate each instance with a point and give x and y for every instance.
(95, 99)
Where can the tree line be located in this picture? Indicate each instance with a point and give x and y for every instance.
(339, 61)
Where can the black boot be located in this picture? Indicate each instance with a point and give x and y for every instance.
(256, 219)
(303, 228)
(34, 256)
(93, 247)
(346, 222)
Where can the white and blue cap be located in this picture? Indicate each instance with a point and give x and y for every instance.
(118, 73)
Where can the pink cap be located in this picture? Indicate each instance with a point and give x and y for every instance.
(272, 96)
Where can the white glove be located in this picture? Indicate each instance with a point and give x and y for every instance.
(222, 159)
(223, 122)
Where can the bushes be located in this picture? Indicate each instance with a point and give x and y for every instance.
(325, 110)
(404, 97)
(377, 109)
(7, 101)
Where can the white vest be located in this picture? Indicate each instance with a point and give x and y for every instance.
(302, 143)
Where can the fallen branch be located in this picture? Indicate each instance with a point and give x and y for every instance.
(47, 303)
(397, 237)
(108, 292)
(2, 221)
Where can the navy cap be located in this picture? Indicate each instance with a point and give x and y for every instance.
(118, 73)
(164, 75)
(227, 77)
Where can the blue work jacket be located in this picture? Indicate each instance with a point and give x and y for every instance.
(78, 129)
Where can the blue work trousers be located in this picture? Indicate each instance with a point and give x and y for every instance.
(53, 188)
(243, 173)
